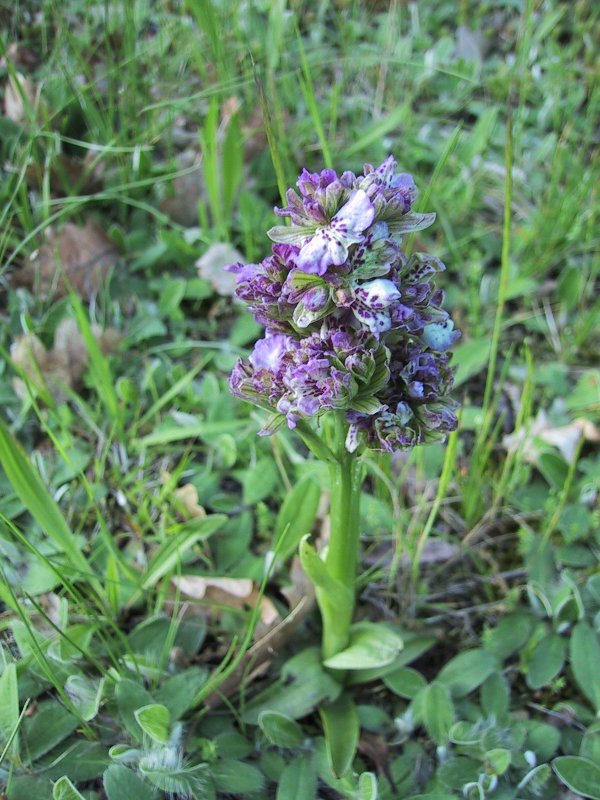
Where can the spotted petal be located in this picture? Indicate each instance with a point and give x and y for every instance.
(372, 304)
(329, 245)
(440, 335)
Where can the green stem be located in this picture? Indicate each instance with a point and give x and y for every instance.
(342, 556)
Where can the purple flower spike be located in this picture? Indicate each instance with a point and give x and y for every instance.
(352, 324)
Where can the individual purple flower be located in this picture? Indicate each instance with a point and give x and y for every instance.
(372, 303)
(327, 244)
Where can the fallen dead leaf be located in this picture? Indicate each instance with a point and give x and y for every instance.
(68, 175)
(19, 93)
(230, 592)
(187, 495)
(81, 256)
(20, 56)
(300, 586)
(63, 365)
(211, 267)
(564, 437)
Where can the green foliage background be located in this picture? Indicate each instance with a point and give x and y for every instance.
(177, 126)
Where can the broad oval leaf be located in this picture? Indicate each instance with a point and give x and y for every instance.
(64, 790)
(367, 787)
(433, 707)
(341, 728)
(581, 775)
(370, 646)
(405, 682)
(280, 730)
(546, 661)
(154, 720)
(85, 694)
(298, 780)
(467, 671)
(121, 783)
(584, 650)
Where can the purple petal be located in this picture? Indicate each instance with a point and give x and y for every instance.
(320, 252)
(267, 353)
(354, 217)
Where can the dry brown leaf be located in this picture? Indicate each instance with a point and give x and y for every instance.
(564, 437)
(63, 365)
(196, 586)
(187, 495)
(300, 586)
(83, 256)
(20, 56)
(230, 592)
(68, 175)
(211, 267)
(19, 93)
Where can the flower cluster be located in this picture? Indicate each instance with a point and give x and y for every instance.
(351, 322)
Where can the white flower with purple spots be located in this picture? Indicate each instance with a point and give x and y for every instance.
(329, 245)
(371, 304)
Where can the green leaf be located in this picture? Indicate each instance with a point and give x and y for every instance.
(169, 553)
(125, 754)
(467, 671)
(543, 739)
(303, 685)
(36, 498)
(199, 430)
(464, 733)
(298, 780)
(121, 783)
(471, 357)
(178, 692)
(131, 696)
(82, 761)
(235, 777)
(64, 790)
(342, 730)
(367, 787)
(317, 571)
(546, 661)
(414, 646)
(154, 720)
(433, 707)
(371, 645)
(296, 516)
(495, 695)
(498, 759)
(509, 635)
(194, 780)
(456, 772)
(584, 650)
(280, 730)
(579, 774)
(28, 787)
(85, 694)
(590, 744)
(405, 682)
(50, 725)
(259, 481)
(9, 707)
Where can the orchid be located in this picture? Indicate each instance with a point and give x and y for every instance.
(354, 356)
